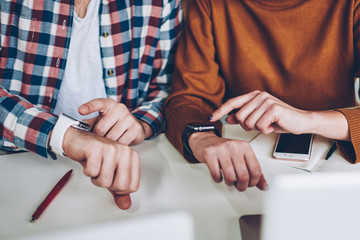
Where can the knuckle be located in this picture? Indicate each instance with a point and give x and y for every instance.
(120, 188)
(112, 135)
(231, 101)
(256, 173)
(125, 140)
(103, 183)
(233, 145)
(109, 100)
(106, 184)
(243, 145)
(263, 95)
(90, 105)
(269, 102)
(110, 150)
(122, 106)
(124, 186)
(241, 187)
(134, 188)
(100, 129)
(129, 119)
(138, 127)
(275, 108)
(216, 177)
(249, 124)
(89, 172)
(240, 117)
(135, 156)
(94, 146)
(124, 149)
(209, 152)
(243, 177)
(260, 127)
(230, 180)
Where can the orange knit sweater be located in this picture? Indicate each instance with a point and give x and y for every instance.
(304, 52)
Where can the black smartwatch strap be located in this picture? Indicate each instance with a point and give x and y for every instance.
(196, 127)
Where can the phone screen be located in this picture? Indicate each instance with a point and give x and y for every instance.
(290, 143)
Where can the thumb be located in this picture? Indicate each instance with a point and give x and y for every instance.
(262, 184)
(84, 109)
(123, 201)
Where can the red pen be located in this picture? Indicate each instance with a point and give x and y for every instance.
(51, 196)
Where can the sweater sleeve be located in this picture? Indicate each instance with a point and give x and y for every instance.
(351, 150)
(197, 89)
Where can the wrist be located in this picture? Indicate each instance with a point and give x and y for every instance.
(193, 128)
(61, 127)
(69, 135)
(330, 124)
(310, 125)
(147, 130)
(197, 137)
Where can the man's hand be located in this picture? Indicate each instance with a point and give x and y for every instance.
(232, 159)
(115, 121)
(109, 164)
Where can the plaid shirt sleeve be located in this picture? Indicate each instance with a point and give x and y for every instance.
(24, 126)
(150, 110)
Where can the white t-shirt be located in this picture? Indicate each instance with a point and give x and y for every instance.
(83, 79)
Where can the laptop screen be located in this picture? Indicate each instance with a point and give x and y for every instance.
(308, 206)
(174, 225)
(312, 207)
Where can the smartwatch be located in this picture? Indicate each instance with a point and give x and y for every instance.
(196, 127)
(58, 132)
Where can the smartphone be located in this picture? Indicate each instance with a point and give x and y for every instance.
(293, 147)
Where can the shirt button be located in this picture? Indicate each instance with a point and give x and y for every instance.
(110, 72)
(58, 62)
(105, 34)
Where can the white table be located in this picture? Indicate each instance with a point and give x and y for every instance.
(168, 182)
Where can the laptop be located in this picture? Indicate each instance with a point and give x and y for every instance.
(308, 206)
(174, 225)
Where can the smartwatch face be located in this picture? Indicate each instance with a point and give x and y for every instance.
(203, 128)
(84, 126)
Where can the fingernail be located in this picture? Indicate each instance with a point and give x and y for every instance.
(266, 187)
(84, 108)
(210, 117)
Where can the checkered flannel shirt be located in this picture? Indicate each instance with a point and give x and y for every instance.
(136, 38)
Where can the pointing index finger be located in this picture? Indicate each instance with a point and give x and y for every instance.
(97, 104)
(232, 104)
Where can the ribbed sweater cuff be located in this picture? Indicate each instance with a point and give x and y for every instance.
(177, 119)
(351, 150)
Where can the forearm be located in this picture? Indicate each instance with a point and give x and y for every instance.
(149, 111)
(24, 125)
(179, 112)
(197, 88)
(329, 124)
